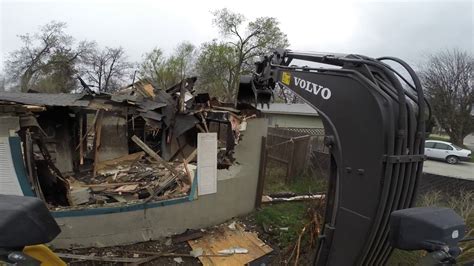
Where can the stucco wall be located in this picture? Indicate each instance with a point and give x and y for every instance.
(236, 190)
(302, 121)
(114, 139)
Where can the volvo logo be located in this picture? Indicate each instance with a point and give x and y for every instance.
(314, 88)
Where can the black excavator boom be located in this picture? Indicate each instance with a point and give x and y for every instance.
(375, 130)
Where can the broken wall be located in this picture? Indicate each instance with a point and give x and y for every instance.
(58, 126)
(114, 139)
(236, 192)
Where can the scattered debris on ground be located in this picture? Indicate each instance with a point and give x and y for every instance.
(218, 245)
(278, 234)
(229, 246)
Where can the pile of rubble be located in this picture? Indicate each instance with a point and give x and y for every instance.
(136, 144)
(130, 179)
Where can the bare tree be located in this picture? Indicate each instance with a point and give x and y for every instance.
(283, 94)
(2, 82)
(41, 54)
(105, 68)
(448, 79)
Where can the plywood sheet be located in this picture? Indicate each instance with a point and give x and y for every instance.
(225, 238)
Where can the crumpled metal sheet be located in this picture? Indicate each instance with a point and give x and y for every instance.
(184, 123)
(125, 98)
(169, 110)
(148, 105)
(152, 115)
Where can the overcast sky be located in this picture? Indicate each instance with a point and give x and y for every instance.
(406, 29)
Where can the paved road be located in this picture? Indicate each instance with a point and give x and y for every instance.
(462, 170)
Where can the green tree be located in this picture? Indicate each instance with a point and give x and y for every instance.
(448, 80)
(167, 71)
(216, 69)
(58, 76)
(41, 57)
(243, 42)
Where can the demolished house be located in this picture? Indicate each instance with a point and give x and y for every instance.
(138, 144)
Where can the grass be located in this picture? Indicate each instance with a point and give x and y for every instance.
(277, 217)
(463, 204)
(303, 184)
(294, 215)
(291, 215)
(439, 137)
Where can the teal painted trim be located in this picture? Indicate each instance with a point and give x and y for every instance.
(193, 193)
(124, 208)
(18, 164)
(129, 207)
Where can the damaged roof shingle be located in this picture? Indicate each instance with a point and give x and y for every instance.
(51, 99)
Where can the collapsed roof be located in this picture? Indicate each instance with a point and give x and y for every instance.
(79, 149)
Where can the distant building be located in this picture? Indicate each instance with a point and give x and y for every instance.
(296, 115)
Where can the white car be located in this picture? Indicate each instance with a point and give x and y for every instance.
(446, 151)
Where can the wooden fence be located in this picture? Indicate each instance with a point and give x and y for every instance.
(301, 150)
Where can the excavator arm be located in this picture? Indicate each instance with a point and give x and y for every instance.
(375, 130)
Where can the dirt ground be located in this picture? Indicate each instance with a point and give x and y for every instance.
(278, 225)
(279, 256)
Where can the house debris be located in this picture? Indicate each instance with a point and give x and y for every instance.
(138, 144)
(240, 246)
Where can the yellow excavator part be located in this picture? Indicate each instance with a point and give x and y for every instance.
(43, 254)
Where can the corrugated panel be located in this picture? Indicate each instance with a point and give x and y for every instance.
(8, 180)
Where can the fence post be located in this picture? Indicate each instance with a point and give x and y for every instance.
(289, 169)
(261, 173)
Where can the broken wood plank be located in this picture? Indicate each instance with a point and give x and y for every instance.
(188, 173)
(154, 155)
(30, 165)
(127, 188)
(97, 258)
(191, 156)
(186, 236)
(81, 145)
(147, 90)
(109, 184)
(123, 162)
(203, 121)
(171, 254)
(118, 198)
(268, 199)
(161, 254)
(201, 128)
(178, 151)
(225, 238)
(35, 108)
(90, 128)
(145, 260)
(161, 187)
(97, 139)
